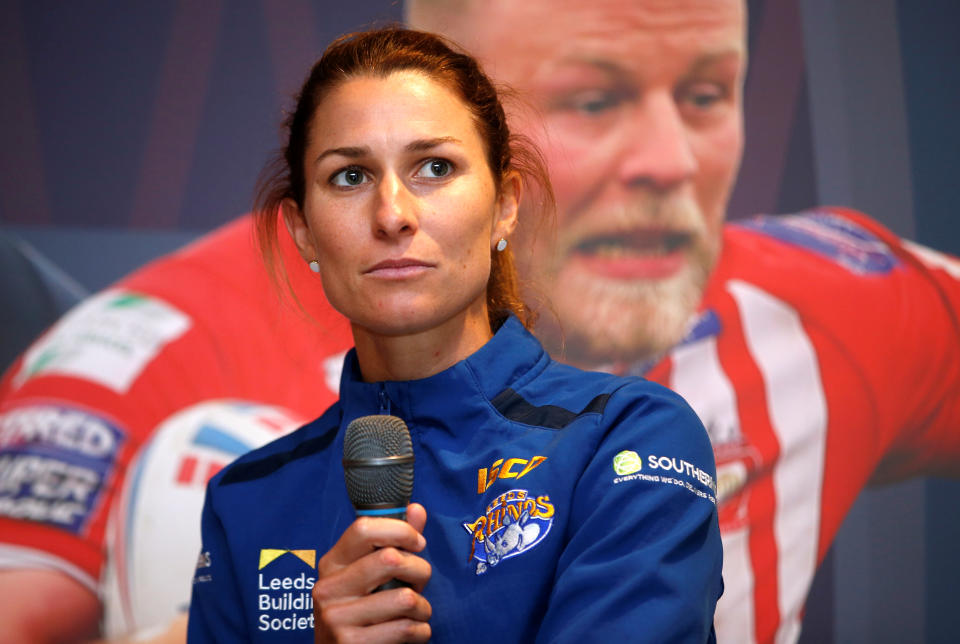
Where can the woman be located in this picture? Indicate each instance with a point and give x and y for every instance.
(563, 504)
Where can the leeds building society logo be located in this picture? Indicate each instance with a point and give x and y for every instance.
(284, 584)
(514, 522)
(268, 555)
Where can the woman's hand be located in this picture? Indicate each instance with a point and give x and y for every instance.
(371, 552)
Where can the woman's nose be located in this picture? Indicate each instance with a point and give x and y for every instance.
(396, 209)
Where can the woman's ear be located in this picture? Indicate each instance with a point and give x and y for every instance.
(508, 207)
(297, 227)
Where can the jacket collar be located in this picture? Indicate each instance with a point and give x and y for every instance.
(511, 357)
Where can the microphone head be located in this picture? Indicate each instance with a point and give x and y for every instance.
(378, 462)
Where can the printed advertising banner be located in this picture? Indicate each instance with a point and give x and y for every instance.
(754, 207)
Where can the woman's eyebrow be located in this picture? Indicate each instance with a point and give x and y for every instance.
(355, 152)
(426, 144)
(349, 152)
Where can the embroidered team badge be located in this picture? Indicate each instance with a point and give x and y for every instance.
(514, 522)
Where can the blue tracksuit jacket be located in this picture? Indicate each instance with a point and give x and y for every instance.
(562, 506)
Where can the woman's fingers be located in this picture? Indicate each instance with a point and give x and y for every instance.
(398, 603)
(371, 571)
(393, 632)
(396, 615)
(417, 517)
(366, 535)
(369, 553)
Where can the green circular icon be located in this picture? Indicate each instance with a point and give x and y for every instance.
(627, 462)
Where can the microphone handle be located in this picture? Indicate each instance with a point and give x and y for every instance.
(390, 585)
(383, 513)
(386, 513)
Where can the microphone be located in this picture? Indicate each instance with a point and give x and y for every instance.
(378, 469)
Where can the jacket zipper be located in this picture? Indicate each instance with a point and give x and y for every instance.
(384, 400)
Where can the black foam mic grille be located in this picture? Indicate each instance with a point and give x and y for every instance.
(378, 462)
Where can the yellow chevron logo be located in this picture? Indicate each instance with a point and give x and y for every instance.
(269, 555)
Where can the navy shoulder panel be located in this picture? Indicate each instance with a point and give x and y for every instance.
(259, 467)
(515, 407)
(829, 235)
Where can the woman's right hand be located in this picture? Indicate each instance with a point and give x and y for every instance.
(370, 553)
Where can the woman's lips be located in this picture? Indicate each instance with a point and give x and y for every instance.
(398, 268)
(638, 255)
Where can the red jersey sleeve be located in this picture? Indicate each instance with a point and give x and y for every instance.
(205, 322)
(920, 389)
(884, 313)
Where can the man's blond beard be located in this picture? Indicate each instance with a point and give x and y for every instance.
(615, 320)
(621, 321)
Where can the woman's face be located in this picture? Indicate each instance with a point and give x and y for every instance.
(400, 207)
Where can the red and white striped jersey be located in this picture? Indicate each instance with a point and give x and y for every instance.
(825, 355)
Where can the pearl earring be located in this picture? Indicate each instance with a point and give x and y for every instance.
(501, 245)
(314, 266)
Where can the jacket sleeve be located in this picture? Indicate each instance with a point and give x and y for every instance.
(643, 556)
(216, 612)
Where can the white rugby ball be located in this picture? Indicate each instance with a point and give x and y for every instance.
(153, 536)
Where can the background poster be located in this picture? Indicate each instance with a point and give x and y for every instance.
(127, 129)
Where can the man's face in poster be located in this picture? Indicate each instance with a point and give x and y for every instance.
(637, 109)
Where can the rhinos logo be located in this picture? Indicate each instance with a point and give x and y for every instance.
(514, 522)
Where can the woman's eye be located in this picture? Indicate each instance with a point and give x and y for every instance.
(349, 177)
(435, 168)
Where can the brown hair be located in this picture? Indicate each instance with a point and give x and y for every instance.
(381, 52)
